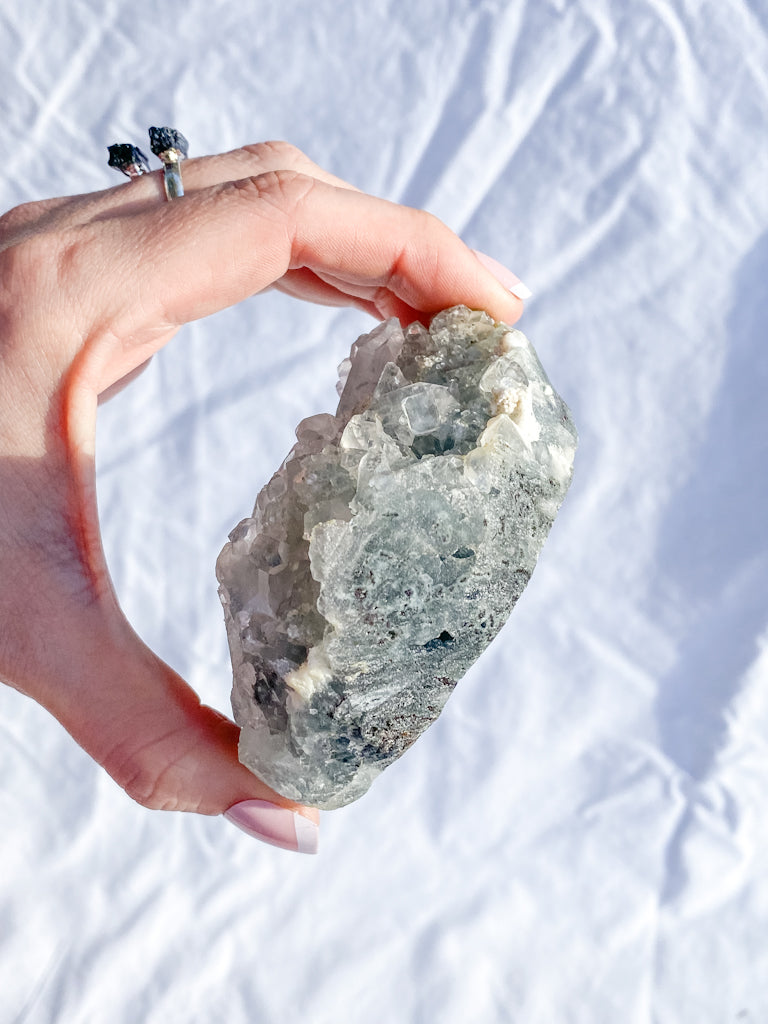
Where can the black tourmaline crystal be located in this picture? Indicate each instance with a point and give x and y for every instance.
(123, 155)
(163, 139)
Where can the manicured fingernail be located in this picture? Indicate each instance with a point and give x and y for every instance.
(275, 825)
(510, 281)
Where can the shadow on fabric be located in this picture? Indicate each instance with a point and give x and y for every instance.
(714, 545)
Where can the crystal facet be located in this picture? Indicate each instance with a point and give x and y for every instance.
(389, 549)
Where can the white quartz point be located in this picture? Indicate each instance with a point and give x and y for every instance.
(389, 548)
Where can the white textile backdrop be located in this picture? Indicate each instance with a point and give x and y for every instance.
(583, 835)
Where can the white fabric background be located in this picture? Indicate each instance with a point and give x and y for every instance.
(583, 836)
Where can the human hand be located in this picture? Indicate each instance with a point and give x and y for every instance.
(90, 287)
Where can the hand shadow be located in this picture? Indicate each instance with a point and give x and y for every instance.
(714, 546)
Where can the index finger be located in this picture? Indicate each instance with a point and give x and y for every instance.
(218, 246)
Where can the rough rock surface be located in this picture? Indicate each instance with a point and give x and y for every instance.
(389, 549)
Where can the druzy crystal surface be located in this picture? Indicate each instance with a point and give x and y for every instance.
(389, 548)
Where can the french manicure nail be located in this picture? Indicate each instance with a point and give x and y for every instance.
(275, 825)
(510, 281)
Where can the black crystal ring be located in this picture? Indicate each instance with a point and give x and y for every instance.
(171, 147)
(128, 159)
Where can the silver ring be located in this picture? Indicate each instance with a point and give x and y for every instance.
(128, 159)
(171, 147)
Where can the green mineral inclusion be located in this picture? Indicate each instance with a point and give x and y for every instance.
(388, 550)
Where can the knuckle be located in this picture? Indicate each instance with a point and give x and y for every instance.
(21, 218)
(275, 153)
(143, 783)
(279, 180)
(154, 768)
(147, 792)
(50, 268)
(72, 255)
(283, 189)
(24, 263)
(427, 238)
(427, 224)
(42, 257)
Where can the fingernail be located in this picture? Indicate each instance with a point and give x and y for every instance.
(275, 825)
(510, 281)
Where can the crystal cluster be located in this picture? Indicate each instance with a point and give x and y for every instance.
(389, 549)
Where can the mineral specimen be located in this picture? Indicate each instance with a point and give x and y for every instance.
(389, 549)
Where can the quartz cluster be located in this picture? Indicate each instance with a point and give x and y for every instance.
(389, 548)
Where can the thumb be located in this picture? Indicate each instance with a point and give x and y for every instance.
(150, 732)
(67, 644)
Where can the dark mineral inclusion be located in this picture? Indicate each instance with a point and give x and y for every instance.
(389, 549)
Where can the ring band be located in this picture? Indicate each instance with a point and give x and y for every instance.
(171, 148)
